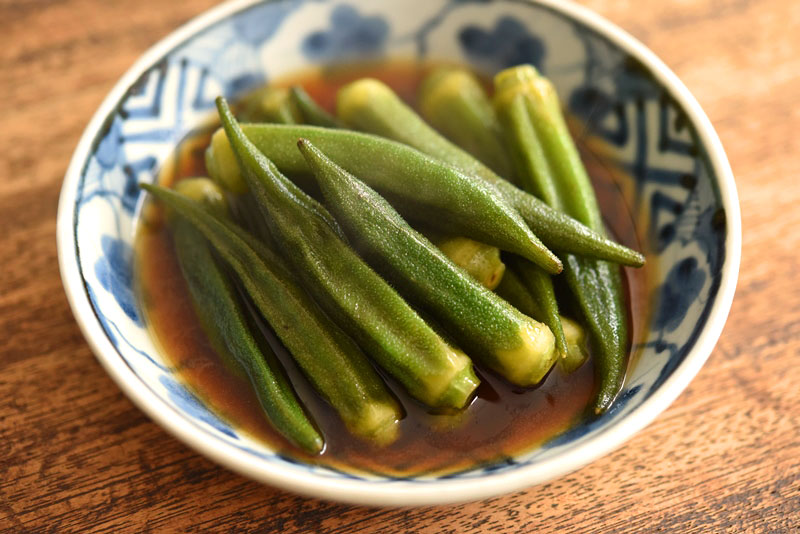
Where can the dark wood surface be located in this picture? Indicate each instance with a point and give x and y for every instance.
(77, 456)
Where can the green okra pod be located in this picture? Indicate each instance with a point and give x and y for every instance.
(224, 319)
(311, 112)
(514, 345)
(516, 292)
(349, 290)
(528, 104)
(414, 182)
(333, 363)
(371, 106)
(453, 101)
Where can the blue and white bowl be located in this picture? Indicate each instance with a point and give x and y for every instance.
(655, 128)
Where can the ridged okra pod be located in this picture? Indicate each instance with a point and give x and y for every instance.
(453, 101)
(514, 345)
(224, 319)
(371, 106)
(349, 290)
(333, 363)
(529, 107)
(416, 184)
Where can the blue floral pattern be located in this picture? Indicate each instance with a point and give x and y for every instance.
(616, 97)
(507, 44)
(350, 35)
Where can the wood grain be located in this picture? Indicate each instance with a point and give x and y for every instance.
(77, 456)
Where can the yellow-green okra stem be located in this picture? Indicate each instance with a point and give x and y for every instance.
(514, 345)
(532, 110)
(335, 366)
(453, 101)
(349, 290)
(577, 351)
(540, 285)
(481, 261)
(513, 290)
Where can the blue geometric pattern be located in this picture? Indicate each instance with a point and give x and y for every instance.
(617, 98)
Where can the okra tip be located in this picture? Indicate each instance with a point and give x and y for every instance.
(223, 109)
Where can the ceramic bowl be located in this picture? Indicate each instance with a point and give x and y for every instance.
(682, 190)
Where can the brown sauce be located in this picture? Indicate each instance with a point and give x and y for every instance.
(502, 420)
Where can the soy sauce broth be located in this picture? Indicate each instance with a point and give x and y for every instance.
(502, 421)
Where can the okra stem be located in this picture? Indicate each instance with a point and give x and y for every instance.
(481, 261)
(270, 104)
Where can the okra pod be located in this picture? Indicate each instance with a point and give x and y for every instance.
(513, 290)
(415, 183)
(371, 106)
(333, 363)
(311, 112)
(529, 105)
(458, 85)
(453, 101)
(349, 290)
(481, 261)
(512, 344)
(223, 318)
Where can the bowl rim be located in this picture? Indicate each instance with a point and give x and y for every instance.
(401, 493)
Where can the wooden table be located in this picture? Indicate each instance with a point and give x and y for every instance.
(77, 456)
